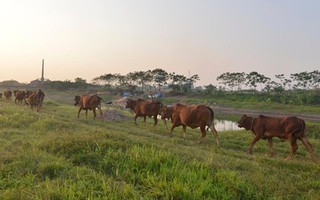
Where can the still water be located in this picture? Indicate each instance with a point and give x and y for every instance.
(226, 125)
(220, 125)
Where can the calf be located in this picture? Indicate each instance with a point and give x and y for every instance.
(35, 99)
(7, 94)
(144, 108)
(20, 96)
(291, 128)
(166, 114)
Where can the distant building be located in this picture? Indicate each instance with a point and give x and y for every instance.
(38, 82)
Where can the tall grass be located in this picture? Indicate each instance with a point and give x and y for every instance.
(55, 155)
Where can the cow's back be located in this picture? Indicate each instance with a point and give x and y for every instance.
(271, 124)
(89, 101)
(147, 107)
(32, 98)
(294, 125)
(193, 116)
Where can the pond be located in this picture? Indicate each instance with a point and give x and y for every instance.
(226, 125)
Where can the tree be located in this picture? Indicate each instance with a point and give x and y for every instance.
(210, 89)
(80, 80)
(160, 77)
(193, 78)
(225, 79)
(177, 81)
(254, 78)
(232, 79)
(303, 79)
(108, 78)
(269, 85)
(283, 81)
(315, 78)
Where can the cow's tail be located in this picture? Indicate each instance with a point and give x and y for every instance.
(212, 116)
(109, 102)
(302, 126)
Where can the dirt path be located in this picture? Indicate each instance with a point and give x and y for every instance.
(239, 111)
(306, 117)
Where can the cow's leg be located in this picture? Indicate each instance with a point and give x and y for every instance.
(165, 122)
(309, 148)
(145, 120)
(173, 126)
(94, 113)
(294, 146)
(215, 134)
(79, 112)
(100, 110)
(184, 131)
(135, 119)
(203, 133)
(86, 113)
(270, 144)
(155, 120)
(255, 139)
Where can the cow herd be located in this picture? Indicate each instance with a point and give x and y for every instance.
(202, 116)
(32, 98)
(193, 116)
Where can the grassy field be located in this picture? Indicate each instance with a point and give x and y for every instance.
(55, 155)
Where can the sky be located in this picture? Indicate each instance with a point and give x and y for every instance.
(86, 39)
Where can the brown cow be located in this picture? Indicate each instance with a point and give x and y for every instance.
(20, 95)
(166, 114)
(194, 116)
(144, 108)
(15, 92)
(89, 102)
(264, 127)
(36, 99)
(7, 94)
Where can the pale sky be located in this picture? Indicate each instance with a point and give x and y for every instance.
(86, 39)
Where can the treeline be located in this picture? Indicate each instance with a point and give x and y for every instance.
(147, 81)
(298, 89)
(302, 80)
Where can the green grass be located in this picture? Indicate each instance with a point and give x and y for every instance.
(55, 155)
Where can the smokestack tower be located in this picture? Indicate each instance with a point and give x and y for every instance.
(42, 74)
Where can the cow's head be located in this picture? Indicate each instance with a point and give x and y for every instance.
(15, 92)
(166, 112)
(76, 100)
(245, 122)
(163, 112)
(28, 93)
(131, 104)
(40, 94)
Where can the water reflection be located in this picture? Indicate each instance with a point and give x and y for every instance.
(225, 125)
(219, 124)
